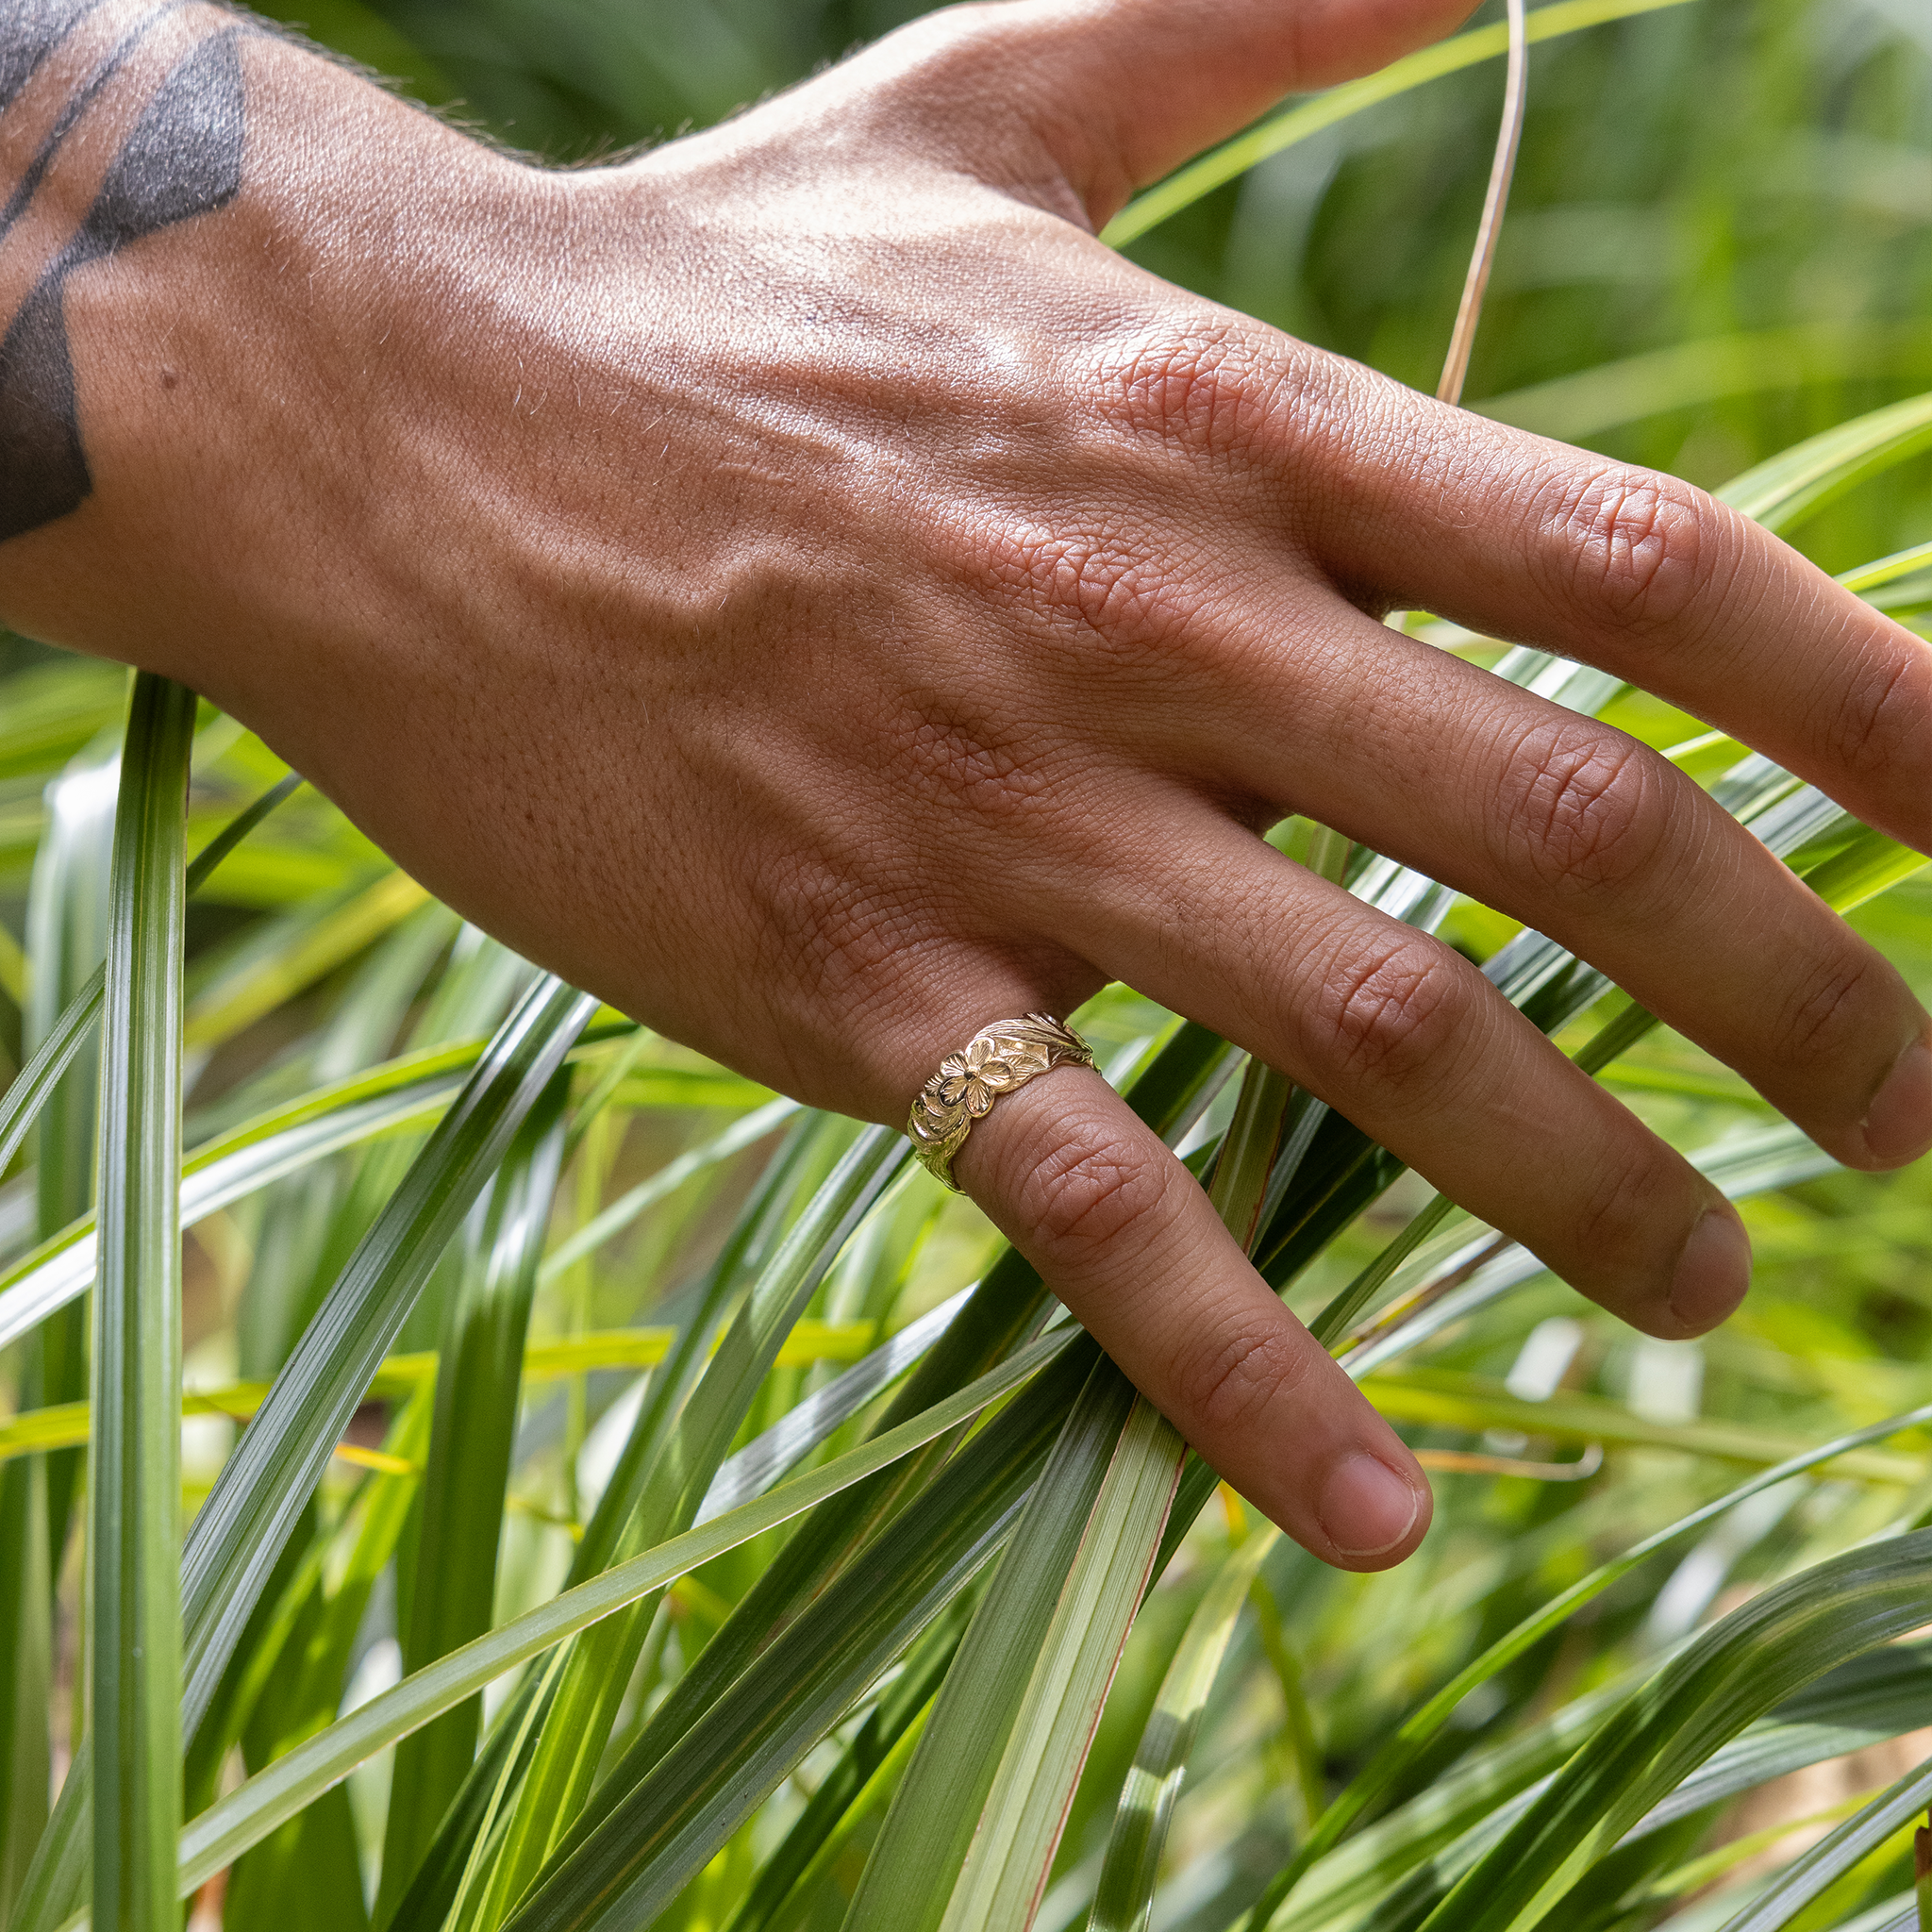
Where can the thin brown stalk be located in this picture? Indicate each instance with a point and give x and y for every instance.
(1502, 171)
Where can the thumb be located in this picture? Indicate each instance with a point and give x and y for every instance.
(1116, 93)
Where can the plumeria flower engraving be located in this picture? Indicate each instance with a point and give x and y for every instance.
(999, 1059)
(978, 1077)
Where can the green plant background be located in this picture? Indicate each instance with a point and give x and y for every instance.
(1717, 249)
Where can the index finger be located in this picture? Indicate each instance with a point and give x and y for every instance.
(1643, 575)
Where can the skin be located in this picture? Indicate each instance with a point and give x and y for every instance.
(803, 588)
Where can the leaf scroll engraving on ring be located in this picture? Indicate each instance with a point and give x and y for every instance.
(997, 1060)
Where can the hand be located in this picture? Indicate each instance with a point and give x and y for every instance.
(803, 588)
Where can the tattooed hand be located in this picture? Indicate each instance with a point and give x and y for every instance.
(803, 588)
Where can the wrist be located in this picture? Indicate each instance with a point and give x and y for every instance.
(257, 265)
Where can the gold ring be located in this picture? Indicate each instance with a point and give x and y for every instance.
(995, 1060)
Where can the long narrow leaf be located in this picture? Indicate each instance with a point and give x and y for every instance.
(1284, 130)
(241, 1527)
(937, 1809)
(1124, 1898)
(28, 1092)
(592, 1679)
(455, 1561)
(1012, 1854)
(134, 1623)
(224, 1831)
(1731, 1674)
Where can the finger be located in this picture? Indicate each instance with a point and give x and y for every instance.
(1125, 1237)
(1642, 575)
(1411, 1044)
(1578, 830)
(1113, 93)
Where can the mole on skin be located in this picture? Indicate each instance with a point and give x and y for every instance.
(181, 158)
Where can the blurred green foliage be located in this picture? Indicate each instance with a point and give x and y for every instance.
(1718, 245)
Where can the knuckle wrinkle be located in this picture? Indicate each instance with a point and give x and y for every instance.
(1884, 716)
(1586, 805)
(1390, 1008)
(1206, 390)
(1229, 1379)
(1089, 1191)
(1639, 544)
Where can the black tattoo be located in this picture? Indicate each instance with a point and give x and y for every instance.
(39, 29)
(182, 158)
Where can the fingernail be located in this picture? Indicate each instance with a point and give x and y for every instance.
(1713, 1270)
(1899, 1125)
(1366, 1507)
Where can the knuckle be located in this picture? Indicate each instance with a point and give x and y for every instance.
(1089, 1190)
(1825, 1015)
(1096, 583)
(1587, 805)
(1391, 1006)
(1211, 388)
(1641, 544)
(1228, 1378)
(999, 773)
(1616, 1221)
(1884, 715)
(839, 940)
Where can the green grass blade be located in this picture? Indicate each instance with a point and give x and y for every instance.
(26, 1674)
(407, 1092)
(940, 1802)
(990, 1781)
(767, 1224)
(266, 1482)
(458, 1859)
(309, 941)
(1802, 480)
(308, 1870)
(748, 1473)
(1883, 570)
(478, 1371)
(1835, 1855)
(508, 1076)
(852, 1814)
(134, 1625)
(1340, 1314)
(1406, 1744)
(245, 1817)
(1123, 1898)
(35, 1083)
(1448, 1399)
(862, 1780)
(996, 1317)
(1579, 407)
(1869, 865)
(744, 1132)
(1728, 1675)
(29, 1092)
(665, 1826)
(927, 1561)
(692, 1446)
(1091, 1519)
(802, 1428)
(1012, 1856)
(56, 1879)
(1394, 1873)
(66, 941)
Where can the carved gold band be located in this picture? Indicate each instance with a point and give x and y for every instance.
(997, 1060)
